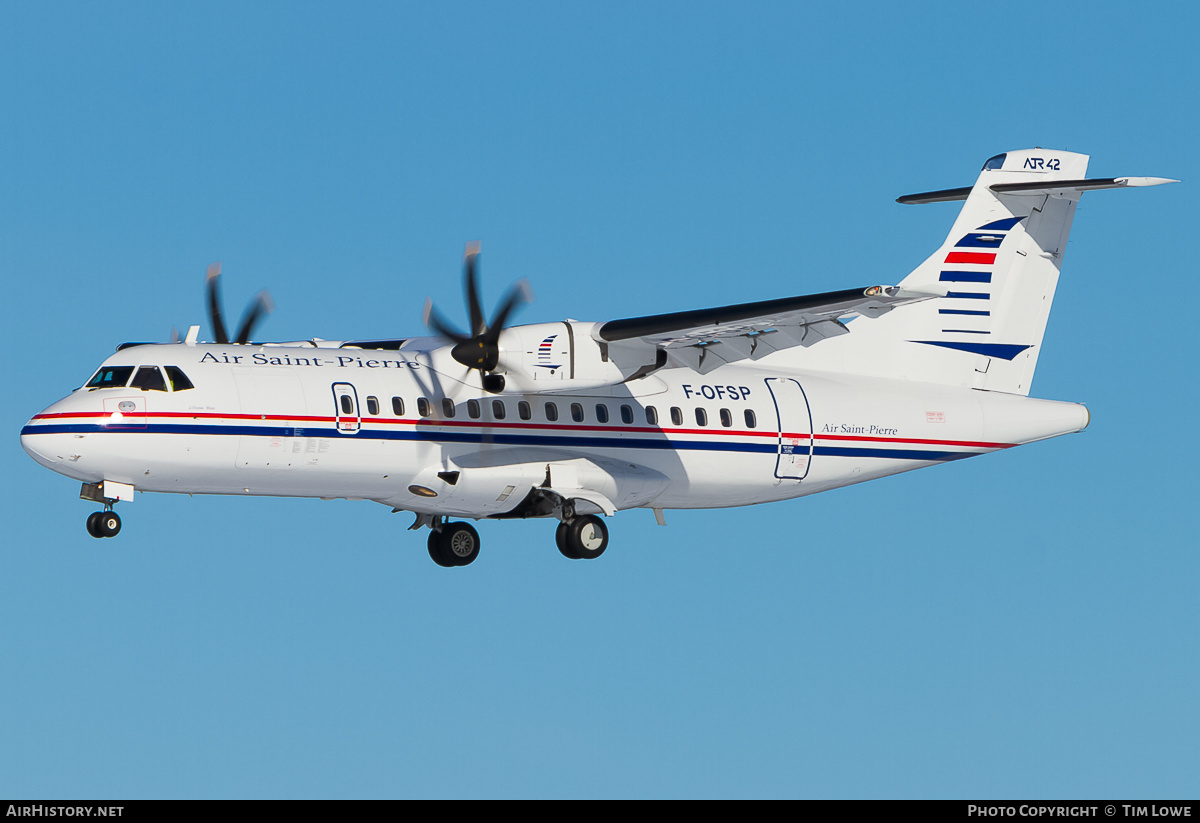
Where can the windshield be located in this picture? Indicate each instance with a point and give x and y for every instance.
(110, 377)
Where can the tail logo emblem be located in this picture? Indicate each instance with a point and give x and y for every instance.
(1040, 164)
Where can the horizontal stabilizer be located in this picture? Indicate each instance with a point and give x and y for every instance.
(1046, 187)
(940, 196)
(1039, 187)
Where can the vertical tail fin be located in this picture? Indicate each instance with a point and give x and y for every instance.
(995, 275)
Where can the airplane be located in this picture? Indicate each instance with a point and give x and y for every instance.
(708, 408)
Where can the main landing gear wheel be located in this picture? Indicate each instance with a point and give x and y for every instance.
(457, 544)
(103, 524)
(560, 537)
(584, 538)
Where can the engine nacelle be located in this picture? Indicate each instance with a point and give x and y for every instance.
(566, 356)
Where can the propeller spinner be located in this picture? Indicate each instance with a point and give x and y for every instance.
(481, 349)
(260, 305)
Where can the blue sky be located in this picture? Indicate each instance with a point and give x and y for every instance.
(1019, 625)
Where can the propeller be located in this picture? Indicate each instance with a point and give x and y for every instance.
(480, 350)
(260, 305)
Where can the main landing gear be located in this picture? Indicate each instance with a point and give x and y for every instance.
(582, 537)
(453, 544)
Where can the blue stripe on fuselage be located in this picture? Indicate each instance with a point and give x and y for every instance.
(501, 438)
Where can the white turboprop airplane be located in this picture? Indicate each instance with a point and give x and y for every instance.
(709, 408)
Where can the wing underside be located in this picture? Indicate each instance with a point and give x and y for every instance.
(704, 339)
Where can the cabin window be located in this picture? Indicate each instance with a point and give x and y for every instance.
(626, 414)
(473, 410)
(523, 410)
(372, 405)
(677, 416)
(149, 378)
(701, 417)
(110, 377)
(652, 415)
(726, 418)
(347, 404)
(551, 412)
(178, 380)
(398, 406)
(577, 412)
(751, 422)
(601, 413)
(498, 409)
(447, 407)
(422, 407)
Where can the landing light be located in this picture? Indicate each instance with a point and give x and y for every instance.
(421, 491)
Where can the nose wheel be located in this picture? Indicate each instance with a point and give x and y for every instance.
(104, 524)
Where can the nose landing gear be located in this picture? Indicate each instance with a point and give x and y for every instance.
(104, 524)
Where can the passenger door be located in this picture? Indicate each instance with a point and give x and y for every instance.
(794, 455)
(346, 412)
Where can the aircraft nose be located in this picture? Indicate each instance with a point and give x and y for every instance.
(60, 437)
(42, 446)
(47, 439)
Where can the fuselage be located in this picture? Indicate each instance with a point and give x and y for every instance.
(702, 408)
(412, 429)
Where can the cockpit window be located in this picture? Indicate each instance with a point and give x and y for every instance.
(149, 378)
(110, 377)
(178, 380)
(994, 163)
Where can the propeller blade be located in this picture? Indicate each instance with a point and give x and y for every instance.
(434, 320)
(517, 295)
(471, 286)
(263, 304)
(481, 350)
(212, 285)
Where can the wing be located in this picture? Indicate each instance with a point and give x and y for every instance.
(704, 339)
